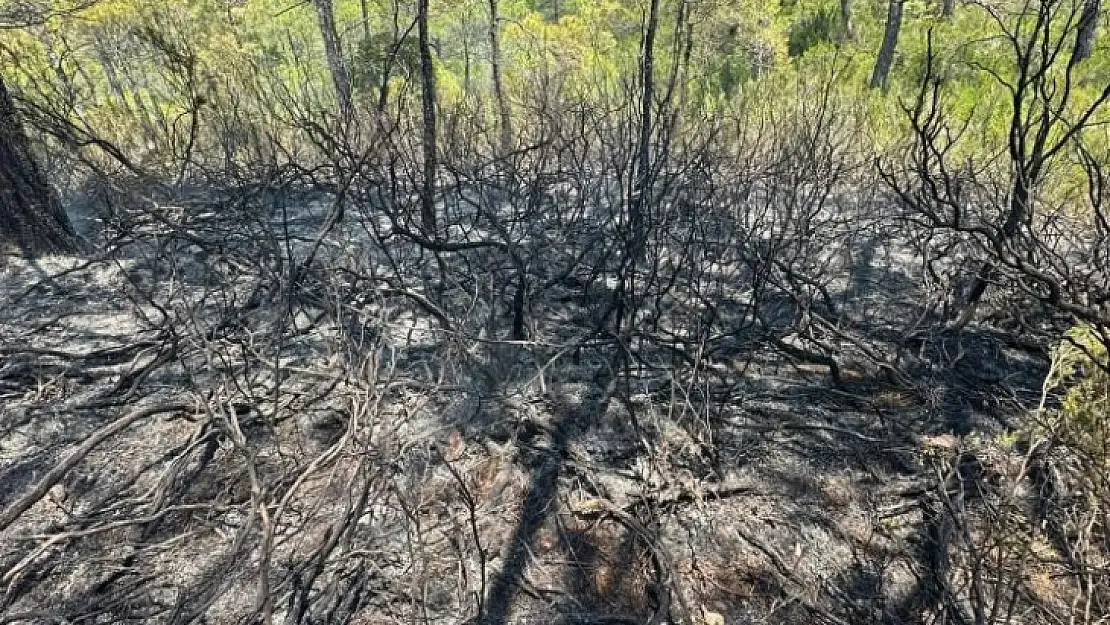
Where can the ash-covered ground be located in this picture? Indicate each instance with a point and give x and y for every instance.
(288, 409)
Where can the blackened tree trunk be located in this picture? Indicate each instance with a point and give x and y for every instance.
(428, 100)
(31, 217)
(640, 200)
(337, 65)
(890, 44)
(647, 101)
(1085, 36)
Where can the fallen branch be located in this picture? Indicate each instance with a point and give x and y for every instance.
(56, 474)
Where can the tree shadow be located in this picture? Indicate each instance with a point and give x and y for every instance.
(570, 422)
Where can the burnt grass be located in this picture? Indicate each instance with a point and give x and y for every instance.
(343, 424)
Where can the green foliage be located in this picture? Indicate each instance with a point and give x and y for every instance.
(822, 26)
(133, 67)
(379, 53)
(727, 65)
(1081, 374)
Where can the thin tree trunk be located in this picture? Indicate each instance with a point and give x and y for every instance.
(387, 68)
(428, 99)
(947, 8)
(498, 86)
(466, 63)
(681, 54)
(647, 97)
(1085, 36)
(365, 10)
(846, 19)
(334, 52)
(639, 203)
(31, 217)
(890, 43)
